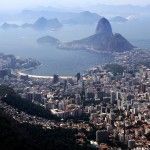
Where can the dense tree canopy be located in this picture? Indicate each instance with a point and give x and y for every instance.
(115, 69)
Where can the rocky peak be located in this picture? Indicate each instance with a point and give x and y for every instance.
(104, 27)
(41, 20)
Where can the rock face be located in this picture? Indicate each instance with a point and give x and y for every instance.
(119, 44)
(104, 27)
(48, 40)
(102, 40)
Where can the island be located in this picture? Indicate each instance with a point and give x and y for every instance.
(48, 40)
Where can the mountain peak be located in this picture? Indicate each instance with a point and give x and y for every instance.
(104, 27)
(42, 19)
(102, 40)
(42, 23)
(85, 13)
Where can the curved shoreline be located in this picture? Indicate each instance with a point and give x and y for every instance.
(42, 77)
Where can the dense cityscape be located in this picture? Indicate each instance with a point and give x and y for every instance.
(108, 105)
(74, 75)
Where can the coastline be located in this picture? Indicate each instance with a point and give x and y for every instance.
(42, 77)
(22, 71)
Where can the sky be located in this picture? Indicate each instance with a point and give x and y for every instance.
(24, 4)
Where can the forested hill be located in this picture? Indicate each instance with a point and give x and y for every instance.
(16, 136)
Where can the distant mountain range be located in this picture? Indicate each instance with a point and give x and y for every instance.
(84, 17)
(64, 14)
(44, 23)
(41, 23)
(102, 40)
(7, 25)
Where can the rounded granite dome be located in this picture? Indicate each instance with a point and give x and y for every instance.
(104, 27)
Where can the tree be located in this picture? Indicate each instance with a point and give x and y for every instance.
(115, 69)
(5, 91)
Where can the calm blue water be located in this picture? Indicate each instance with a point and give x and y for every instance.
(22, 43)
(66, 62)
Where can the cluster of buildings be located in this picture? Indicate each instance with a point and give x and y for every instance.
(9, 63)
(133, 58)
(122, 110)
(116, 106)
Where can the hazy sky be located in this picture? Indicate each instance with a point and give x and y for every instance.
(21, 4)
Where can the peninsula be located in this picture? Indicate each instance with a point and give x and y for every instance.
(102, 40)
